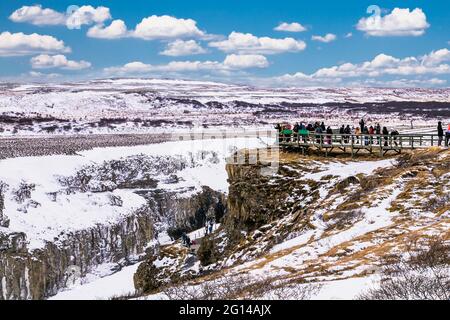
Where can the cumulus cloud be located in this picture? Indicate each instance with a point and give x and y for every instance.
(20, 44)
(166, 27)
(43, 76)
(183, 48)
(138, 67)
(436, 57)
(150, 28)
(400, 22)
(245, 61)
(231, 62)
(84, 15)
(434, 63)
(45, 61)
(117, 29)
(246, 43)
(38, 16)
(404, 83)
(383, 64)
(290, 27)
(325, 39)
(87, 15)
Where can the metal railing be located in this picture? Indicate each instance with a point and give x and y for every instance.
(355, 142)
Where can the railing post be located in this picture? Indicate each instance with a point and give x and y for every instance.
(353, 154)
(380, 144)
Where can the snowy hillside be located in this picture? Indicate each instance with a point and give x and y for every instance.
(130, 105)
(325, 228)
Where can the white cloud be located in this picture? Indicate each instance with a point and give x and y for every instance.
(138, 67)
(246, 61)
(327, 38)
(290, 27)
(436, 57)
(43, 75)
(88, 15)
(405, 83)
(303, 79)
(38, 16)
(20, 44)
(45, 61)
(84, 15)
(166, 27)
(246, 43)
(231, 62)
(382, 65)
(117, 29)
(400, 22)
(182, 48)
(349, 35)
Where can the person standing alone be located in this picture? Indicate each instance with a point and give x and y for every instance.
(440, 133)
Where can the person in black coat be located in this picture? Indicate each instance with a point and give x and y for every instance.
(348, 131)
(322, 125)
(362, 124)
(440, 133)
(394, 135)
(385, 134)
(329, 135)
(378, 132)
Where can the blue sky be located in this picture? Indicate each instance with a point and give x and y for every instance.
(406, 45)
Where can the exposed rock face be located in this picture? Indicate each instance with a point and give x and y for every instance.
(43, 272)
(258, 203)
(185, 213)
(4, 221)
(315, 218)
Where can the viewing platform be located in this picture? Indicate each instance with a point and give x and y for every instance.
(353, 143)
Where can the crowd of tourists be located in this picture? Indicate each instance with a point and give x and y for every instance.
(367, 134)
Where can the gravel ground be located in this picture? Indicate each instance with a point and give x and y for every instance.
(13, 147)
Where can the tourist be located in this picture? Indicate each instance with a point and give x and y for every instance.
(362, 124)
(371, 132)
(347, 132)
(357, 133)
(342, 132)
(186, 240)
(440, 133)
(366, 135)
(385, 134)
(211, 225)
(322, 125)
(378, 133)
(319, 132)
(278, 128)
(394, 135)
(329, 135)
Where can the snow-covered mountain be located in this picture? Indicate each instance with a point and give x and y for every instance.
(138, 104)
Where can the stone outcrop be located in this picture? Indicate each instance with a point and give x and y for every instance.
(43, 272)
